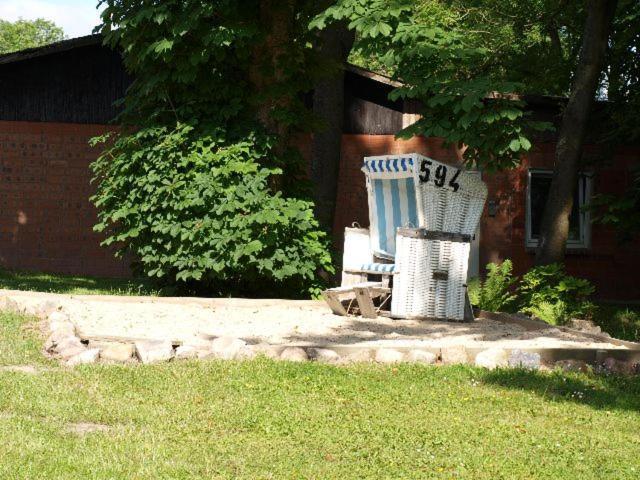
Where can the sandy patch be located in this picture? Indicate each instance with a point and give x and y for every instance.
(283, 322)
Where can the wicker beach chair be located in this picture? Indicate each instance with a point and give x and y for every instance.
(407, 190)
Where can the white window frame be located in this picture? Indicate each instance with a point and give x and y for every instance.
(584, 195)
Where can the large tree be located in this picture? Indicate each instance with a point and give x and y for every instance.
(555, 221)
(23, 34)
(202, 186)
(465, 60)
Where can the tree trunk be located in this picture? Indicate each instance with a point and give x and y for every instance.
(555, 222)
(328, 105)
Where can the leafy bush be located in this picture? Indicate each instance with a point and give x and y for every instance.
(495, 293)
(550, 294)
(619, 321)
(198, 211)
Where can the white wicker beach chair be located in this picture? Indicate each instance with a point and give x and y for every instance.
(407, 190)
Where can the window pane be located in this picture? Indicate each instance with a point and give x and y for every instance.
(540, 183)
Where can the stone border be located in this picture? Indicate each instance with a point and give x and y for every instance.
(63, 342)
(229, 348)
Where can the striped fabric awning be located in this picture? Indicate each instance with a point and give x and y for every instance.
(374, 268)
(392, 205)
(389, 165)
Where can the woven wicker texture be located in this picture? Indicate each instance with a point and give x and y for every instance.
(430, 280)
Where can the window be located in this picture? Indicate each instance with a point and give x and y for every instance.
(579, 221)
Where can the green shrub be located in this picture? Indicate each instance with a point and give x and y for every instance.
(550, 294)
(473, 290)
(495, 293)
(194, 210)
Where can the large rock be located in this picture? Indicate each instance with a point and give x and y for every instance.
(364, 355)
(197, 342)
(70, 341)
(522, 359)
(227, 348)
(185, 352)
(492, 358)
(454, 354)
(294, 354)
(60, 321)
(71, 352)
(45, 308)
(324, 355)
(420, 356)
(152, 352)
(388, 355)
(115, 351)
(269, 351)
(86, 357)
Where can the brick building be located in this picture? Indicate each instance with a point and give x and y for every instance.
(54, 99)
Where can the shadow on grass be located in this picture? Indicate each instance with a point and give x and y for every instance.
(600, 391)
(43, 282)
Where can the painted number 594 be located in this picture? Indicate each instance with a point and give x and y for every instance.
(439, 176)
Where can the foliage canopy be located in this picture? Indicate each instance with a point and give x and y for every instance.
(23, 34)
(202, 186)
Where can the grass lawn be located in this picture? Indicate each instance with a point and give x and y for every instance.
(45, 282)
(263, 419)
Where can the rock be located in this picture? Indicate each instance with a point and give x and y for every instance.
(62, 326)
(68, 342)
(227, 348)
(357, 356)
(521, 359)
(269, 351)
(154, 351)
(197, 342)
(454, 354)
(115, 351)
(184, 352)
(572, 365)
(46, 308)
(420, 356)
(584, 325)
(57, 316)
(88, 356)
(388, 355)
(324, 355)
(294, 354)
(492, 358)
(619, 367)
(58, 337)
(70, 352)
(10, 305)
(246, 353)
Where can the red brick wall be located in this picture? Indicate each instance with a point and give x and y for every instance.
(613, 268)
(46, 218)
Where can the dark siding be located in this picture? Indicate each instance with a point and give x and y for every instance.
(367, 107)
(74, 86)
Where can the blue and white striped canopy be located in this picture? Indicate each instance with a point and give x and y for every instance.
(388, 165)
(392, 204)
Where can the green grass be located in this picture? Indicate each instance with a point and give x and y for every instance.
(264, 419)
(45, 282)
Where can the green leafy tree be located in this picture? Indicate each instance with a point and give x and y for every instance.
(469, 62)
(465, 100)
(23, 34)
(201, 185)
